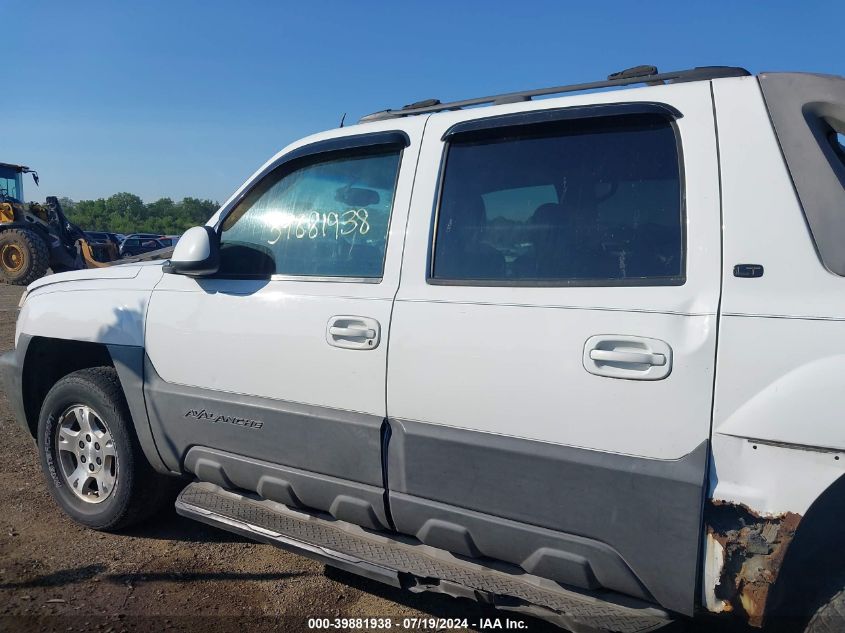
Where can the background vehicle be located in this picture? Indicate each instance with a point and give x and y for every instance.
(102, 237)
(552, 427)
(138, 245)
(149, 236)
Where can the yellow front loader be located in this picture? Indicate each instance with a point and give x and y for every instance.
(36, 237)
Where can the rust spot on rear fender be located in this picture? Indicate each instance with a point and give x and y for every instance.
(752, 548)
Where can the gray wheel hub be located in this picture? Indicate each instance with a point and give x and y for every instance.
(86, 454)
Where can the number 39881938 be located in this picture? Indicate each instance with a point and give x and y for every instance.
(330, 225)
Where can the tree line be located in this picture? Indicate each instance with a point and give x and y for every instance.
(127, 213)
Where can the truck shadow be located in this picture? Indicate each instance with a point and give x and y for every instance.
(58, 578)
(81, 574)
(169, 526)
(139, 578)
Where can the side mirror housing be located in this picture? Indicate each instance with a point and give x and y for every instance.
(197, 253)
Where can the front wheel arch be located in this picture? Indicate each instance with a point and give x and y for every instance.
(47, 360)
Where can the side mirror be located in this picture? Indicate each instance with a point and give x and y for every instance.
(197, 253)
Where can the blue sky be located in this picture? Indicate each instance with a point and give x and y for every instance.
(186, 98)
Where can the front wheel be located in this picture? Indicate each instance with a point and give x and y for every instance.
(90, 456)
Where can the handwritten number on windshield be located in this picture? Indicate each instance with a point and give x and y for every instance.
(331, 225)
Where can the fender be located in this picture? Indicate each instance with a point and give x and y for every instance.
(778, 447)
(105, 307)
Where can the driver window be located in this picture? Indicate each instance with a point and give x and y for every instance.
(325, 217)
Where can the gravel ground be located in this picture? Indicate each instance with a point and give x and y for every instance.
(171, 573)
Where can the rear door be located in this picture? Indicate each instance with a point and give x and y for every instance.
(270, 375)
(553, 339)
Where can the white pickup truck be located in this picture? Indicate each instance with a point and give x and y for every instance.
(579, 355)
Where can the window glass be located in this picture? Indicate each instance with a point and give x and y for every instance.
(838, 141)
(328, 218)
(9, 183)
(579, 201)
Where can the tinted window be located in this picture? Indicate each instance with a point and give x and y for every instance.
(326, 218)
(9, 183)
(577, 202)
(837, 139)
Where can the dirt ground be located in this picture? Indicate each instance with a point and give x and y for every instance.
(171, 573)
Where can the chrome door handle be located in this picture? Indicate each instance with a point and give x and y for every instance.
(632, 358)
(353, 331)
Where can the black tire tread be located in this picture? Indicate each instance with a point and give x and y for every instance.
(38, 252)
(150, 490)
(830, 618)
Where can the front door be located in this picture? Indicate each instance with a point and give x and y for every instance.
(270, 375)
(553, 339)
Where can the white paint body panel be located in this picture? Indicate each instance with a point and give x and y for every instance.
(106, 305)
(781, 336)
(268, 338)
(126, 271)
(270, 342)
(530, 382)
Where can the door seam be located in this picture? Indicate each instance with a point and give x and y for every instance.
(386, 430)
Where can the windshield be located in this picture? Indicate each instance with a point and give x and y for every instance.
(10, 184)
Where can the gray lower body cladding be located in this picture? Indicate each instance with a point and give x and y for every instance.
(332, 442)
(566, 558)
(523, 501)
(128, 361)
(11, 371)
(296, 454)
(345, 500)
(584, 518)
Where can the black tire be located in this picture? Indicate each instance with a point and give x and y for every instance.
(138, 491)
(24, 256)
(830, 617)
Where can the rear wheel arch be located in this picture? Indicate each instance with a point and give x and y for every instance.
(814, 560)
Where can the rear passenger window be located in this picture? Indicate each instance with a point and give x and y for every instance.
(588, 202)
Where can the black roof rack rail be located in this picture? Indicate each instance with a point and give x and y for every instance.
(637, 75)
